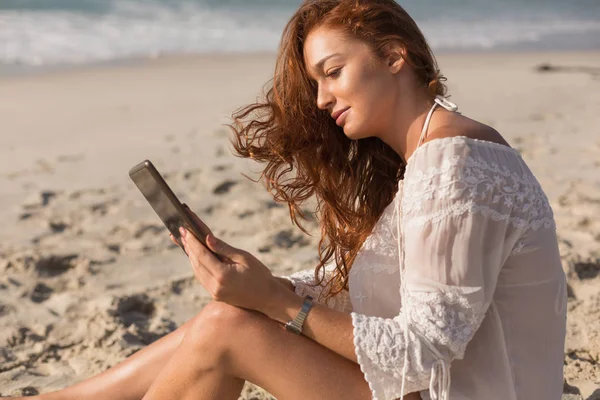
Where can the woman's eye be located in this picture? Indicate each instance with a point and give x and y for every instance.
(335, 73)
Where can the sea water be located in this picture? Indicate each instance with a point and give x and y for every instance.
(46, 33)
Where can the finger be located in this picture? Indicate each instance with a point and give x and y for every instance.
(224, 249)
(196, 219)
(174, 240)
(201, 273)
(199, 254)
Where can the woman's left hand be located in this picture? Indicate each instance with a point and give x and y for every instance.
(241, 280)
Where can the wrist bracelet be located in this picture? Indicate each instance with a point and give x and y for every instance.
(296, 324)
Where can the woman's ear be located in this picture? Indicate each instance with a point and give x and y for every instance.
(395, 58)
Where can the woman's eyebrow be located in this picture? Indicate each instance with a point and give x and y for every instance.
(319, 65)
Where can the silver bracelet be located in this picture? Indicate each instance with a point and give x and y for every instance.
(296, 324)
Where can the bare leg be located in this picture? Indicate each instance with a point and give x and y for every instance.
(187, 376)
(128, 380)
(238, 345)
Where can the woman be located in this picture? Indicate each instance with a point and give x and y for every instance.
(439, 276)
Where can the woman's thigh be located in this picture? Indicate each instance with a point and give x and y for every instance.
(288, 366)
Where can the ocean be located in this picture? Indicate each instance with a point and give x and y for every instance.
(46, 33)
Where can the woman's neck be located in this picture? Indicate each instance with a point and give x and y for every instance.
(407, 123)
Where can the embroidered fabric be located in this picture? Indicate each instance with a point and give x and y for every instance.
(304, 281)
(433, 320)
(462, 215)
(480, 178)
(478, 256)
(377, 247)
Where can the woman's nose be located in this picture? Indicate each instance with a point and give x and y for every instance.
(324, 98)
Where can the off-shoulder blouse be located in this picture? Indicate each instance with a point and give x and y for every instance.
(459, 292)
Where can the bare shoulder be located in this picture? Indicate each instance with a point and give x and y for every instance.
(459, 125)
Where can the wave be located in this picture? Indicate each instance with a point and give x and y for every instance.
(89, 31)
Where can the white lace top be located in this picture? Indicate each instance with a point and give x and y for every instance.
(480, 312)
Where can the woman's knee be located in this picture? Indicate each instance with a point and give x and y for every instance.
(214, 332)
(216, 323)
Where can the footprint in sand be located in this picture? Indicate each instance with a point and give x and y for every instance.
(286, 239)
(45, 266)
(133, 309)
(224, 187)
(138, 237)
(96, 265)
(5, 309)
(570, 390)
(114, 248)
(246, 214)
(138, 313)
(587, 269)
(57, 226)
(104, 207)
(220, 168)
(85, 192)
(41, 199)
(55, 265)
(27, 336)
(26, 215)
(270, 204)
(41, 293)
(178, 286)
(264, 249)
(191, 174)
(152, 229)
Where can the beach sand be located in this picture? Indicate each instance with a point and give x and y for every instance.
(88, 275)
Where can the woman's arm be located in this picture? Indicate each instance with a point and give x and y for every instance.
(286, 282)
(332, 329)
(328, 327)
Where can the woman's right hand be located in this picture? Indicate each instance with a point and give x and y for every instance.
(283, 281)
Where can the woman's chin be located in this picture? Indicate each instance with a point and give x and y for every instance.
(348, 131)
(353, 134)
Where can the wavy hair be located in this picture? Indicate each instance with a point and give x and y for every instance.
(307, 155)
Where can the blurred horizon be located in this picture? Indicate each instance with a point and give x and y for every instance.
(47, 33)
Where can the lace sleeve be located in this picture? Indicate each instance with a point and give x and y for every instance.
(303, 285)
(458, 226)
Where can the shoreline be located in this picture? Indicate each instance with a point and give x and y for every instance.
(15, 71)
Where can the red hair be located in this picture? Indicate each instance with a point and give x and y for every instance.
(307, 155)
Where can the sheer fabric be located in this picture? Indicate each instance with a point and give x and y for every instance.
(458, 292)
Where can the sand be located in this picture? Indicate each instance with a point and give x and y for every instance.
(87, 273)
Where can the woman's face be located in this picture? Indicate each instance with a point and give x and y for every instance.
(354, 86)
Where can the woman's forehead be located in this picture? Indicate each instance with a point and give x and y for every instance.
(326, 42)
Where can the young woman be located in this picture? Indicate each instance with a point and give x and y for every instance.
(439, 277)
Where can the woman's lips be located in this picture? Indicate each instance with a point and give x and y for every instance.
(342, 117)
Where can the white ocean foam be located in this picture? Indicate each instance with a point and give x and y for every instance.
(488, 34)
(62, 37)
(134, 29)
